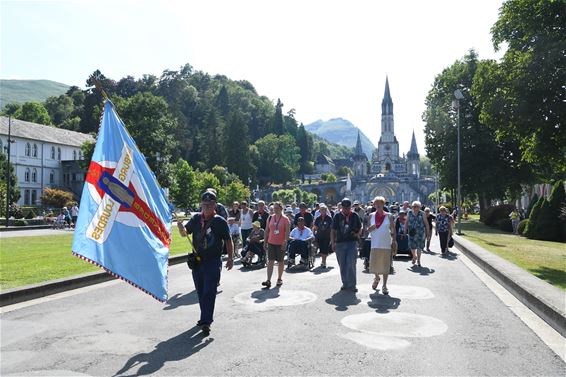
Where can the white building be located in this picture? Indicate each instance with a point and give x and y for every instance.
(43, 156)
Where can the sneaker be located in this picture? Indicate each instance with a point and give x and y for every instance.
(206, 330)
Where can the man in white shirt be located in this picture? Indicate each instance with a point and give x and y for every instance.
(300, 238)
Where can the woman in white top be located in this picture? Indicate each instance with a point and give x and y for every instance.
(246, 226)
(383, 241)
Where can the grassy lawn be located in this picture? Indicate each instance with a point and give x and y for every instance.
(544, 259)
(30, 260)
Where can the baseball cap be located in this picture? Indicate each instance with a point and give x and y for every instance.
(346, 202)
(208, 196)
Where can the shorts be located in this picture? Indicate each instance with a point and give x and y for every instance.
(275, 253)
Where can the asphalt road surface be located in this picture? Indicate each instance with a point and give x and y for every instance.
(440, 319)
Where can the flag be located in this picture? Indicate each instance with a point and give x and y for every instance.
(124, 222)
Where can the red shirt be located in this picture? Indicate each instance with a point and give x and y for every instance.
(277, 225)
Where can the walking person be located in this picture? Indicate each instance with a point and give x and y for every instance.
(322, 229)
(246, 220)
(261, 214)
(74, 213)
(417, 229)
(515, 220)
(210, 234)
(383, 243)
(444, 229)
(276, 236)
(429, 218)
(346, 228)
(235, 211)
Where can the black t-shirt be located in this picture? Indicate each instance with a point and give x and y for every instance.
(211, 243)
(323, 226)
(345, 226)
(308, 219)
(430, 218)
(262, 218)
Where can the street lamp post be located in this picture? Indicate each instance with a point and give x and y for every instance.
(456, 104)
(8, 175)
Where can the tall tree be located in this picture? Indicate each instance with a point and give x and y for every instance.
(278, 158)
(305, 144)
(523, 97)
(33, 112)
(14, 187)
(236, 143)
(223, 102)
(184, 190)
(278, 118)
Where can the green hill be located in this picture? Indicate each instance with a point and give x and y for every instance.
(20, 91)
(342, 132)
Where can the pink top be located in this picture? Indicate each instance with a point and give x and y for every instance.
(277, 226)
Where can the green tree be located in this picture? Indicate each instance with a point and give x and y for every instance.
(206, 180)
(522, 98)
(57, 198)
(33, 112)
(234, 191)
(11, 109)
(278, 118)
(59, 108)
(185, 188)
(236, 149)
(532, 203)
(531, 229)
(328, 177)
(344, 171)
(278, 158)
(6, 169)
(305, 144)
(223, 102)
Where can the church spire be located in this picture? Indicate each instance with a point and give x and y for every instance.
(359, 151)
(414, 151)
(387, 103)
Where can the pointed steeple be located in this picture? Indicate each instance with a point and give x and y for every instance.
(387, 103)
(413, 151)
(359, 151)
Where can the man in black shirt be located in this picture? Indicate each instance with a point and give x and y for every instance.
(346, 228)
(261, 214)
(210, 234)
(307, 216)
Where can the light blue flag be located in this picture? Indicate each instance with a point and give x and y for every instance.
(124, 223)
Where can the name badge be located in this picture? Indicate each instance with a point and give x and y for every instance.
(276, 231)
(346, 227)
(209, 230)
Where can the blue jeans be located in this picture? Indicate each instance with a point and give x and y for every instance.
(206, 277)
(346, 254)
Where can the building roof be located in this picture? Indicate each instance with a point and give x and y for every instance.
(41, 132)
(413, 151)
(387, 103)
(324, 160)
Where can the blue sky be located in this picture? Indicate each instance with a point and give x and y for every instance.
(326, 59)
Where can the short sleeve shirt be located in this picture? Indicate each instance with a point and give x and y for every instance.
(323, 225)
(299, 234)
(307, 216)
(345, 226)
(261, 217)
(208, 236)
(277, 226)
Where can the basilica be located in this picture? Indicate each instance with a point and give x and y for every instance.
(392, 175)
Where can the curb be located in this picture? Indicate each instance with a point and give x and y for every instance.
(30, 292)
(13, 228)
(545, 300)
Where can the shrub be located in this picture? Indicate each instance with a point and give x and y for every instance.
(532, 203)
(522, 226)
(30, 215)
(20, 223)
(495, 213)
(530, 230)
(56, 198)
(505, 225)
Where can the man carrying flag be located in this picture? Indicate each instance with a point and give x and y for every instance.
(210, 234)
(124, 225)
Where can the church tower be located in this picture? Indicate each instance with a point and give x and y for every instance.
(413, 159)
(360, 159)
(388, 147)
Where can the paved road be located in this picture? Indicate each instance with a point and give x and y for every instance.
(439, 320)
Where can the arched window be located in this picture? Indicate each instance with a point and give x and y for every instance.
(28, 149)
(52, 177)
(34, 150)
(34, 175)
(59, 153)
(26, 175)
(74, 155)
(387, 166)
(53, 153)
(80, 155)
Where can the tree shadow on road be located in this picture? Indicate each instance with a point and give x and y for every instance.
(383, 303)
(181, 300)
(343, 299)
(177, 348)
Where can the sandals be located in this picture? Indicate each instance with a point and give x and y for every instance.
(266, 284)
(375, 283)
(279, 283)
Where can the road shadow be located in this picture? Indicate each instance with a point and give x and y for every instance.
(383, 303)
(342, 299)
(424, 271)
(175, 349)
(450, 256)
(319, 270)
(264, 294)
(553, 276)
(177, 300)
(430, 252)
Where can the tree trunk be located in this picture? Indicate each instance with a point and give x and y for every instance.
(484, 204)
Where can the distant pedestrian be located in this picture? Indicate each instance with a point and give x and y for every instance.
(322, 229)
(67, 216)
(307, 216)
(210, 234)
(383, 243)
(346, 228)
(402, 238)
(261, 214)
(246, 220)
(429, 218)
(444, 229)
(417, 229)
(235, 211)
(515, 220)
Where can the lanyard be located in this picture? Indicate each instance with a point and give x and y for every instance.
(277, 223)
(378, 219)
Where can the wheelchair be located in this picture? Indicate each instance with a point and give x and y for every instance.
(307, 251)
(258, 250)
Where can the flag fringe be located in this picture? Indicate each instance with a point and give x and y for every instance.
(110, 272)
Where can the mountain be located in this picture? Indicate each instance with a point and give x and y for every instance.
(341, 131)
(20, 91)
